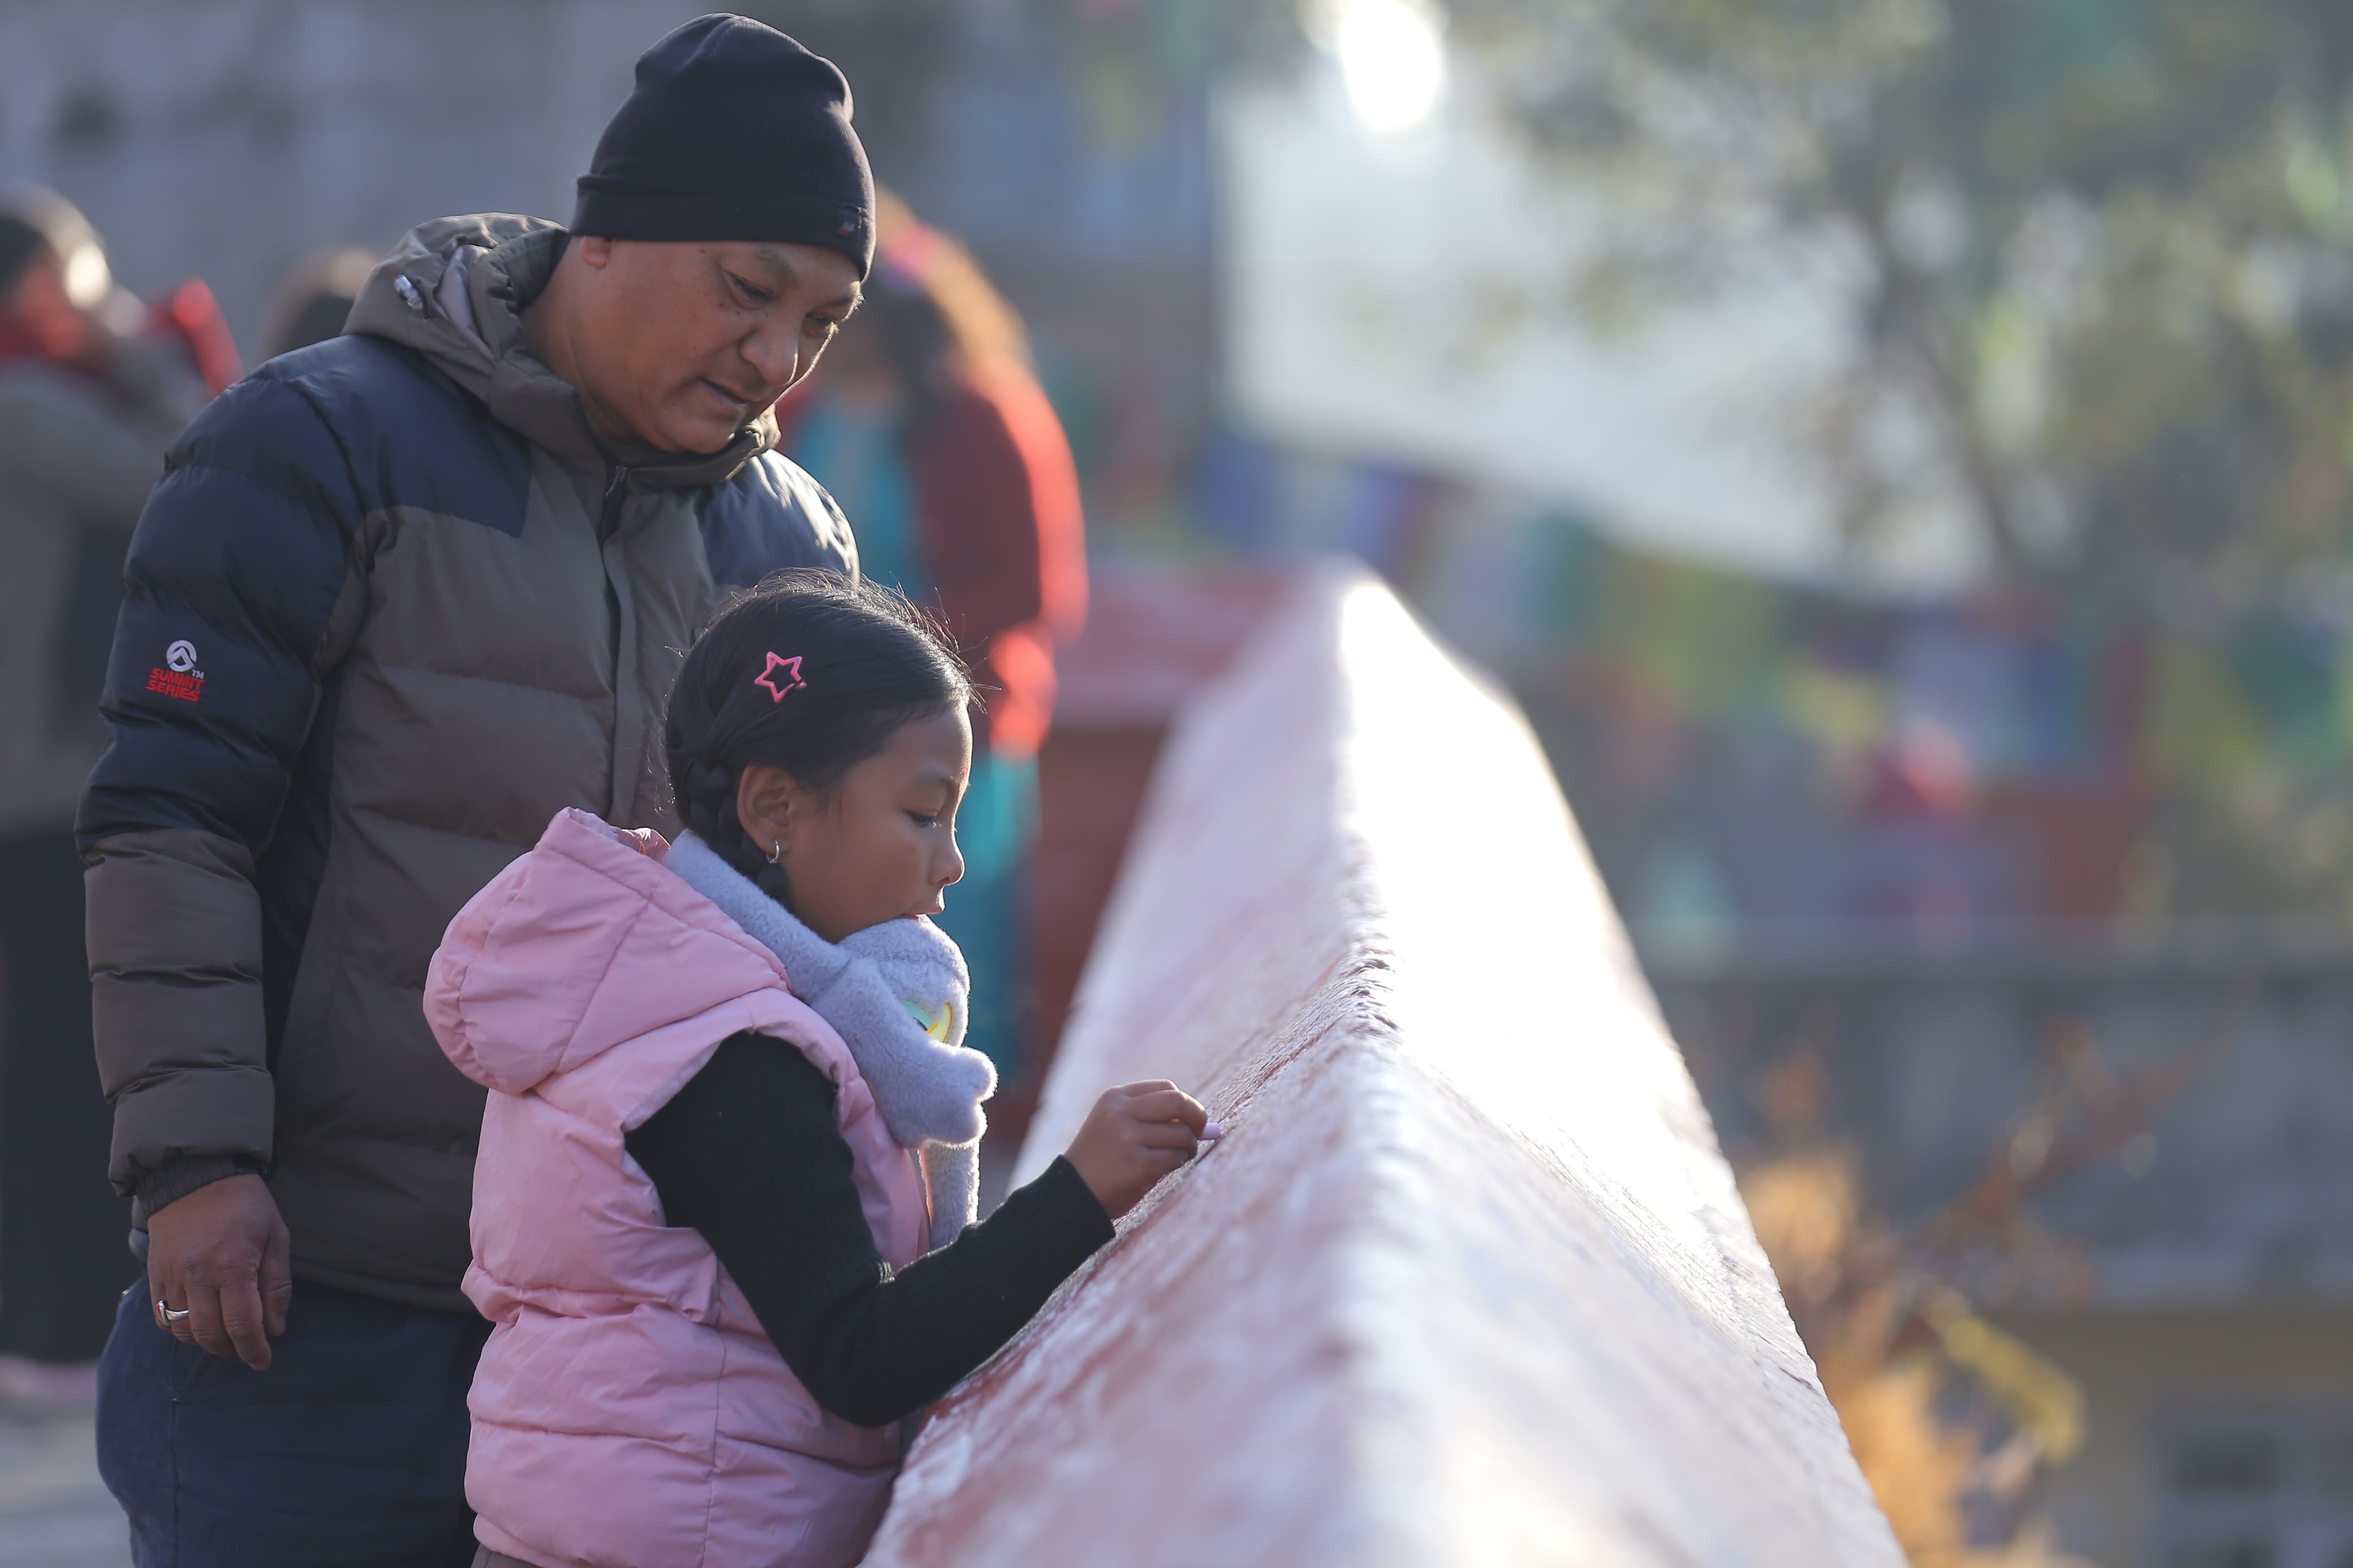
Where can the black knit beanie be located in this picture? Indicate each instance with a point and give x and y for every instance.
(735, 131)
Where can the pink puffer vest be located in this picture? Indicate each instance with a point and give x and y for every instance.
(629, 1411)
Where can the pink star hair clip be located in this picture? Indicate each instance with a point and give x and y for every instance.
(791, 667)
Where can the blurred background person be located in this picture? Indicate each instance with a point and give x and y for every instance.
(929, 428)
(93, 386)
(315, 299)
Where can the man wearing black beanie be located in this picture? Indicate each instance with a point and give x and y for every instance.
(728, 182)
(399, 598)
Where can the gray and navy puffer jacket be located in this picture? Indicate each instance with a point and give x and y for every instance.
(390, 609)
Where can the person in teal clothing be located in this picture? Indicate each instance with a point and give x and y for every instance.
(930, 429)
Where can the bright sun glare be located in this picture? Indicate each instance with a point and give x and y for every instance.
(1392, 58)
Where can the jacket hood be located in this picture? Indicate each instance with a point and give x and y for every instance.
(454, 289)
(583, 943)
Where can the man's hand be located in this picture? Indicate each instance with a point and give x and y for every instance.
(222, 1254)
(1136, 1134)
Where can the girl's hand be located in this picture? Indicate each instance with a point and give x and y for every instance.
(1136, 1134)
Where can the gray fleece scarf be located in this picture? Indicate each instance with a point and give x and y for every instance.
(895, 994)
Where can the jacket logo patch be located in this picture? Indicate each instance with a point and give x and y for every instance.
(170, 683)
(182, 678)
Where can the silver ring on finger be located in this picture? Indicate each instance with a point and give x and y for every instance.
(169, 1316)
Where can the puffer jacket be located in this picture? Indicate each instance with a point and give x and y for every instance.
(78, 452)
(390, 608)
(629, 1412)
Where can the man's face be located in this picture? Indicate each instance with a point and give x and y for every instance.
(682, 344)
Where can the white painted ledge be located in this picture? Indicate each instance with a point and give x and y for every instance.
(1468, 1281)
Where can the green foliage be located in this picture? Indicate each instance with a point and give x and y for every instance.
(2098, 248)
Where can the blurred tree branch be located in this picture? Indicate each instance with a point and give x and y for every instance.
(2098, 248)
(1956, 1423)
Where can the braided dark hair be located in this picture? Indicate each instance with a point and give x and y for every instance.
(869, 662)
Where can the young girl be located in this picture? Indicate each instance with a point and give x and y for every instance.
(723, 1209)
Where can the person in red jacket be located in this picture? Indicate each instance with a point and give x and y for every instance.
(94, 386)
(932, 432)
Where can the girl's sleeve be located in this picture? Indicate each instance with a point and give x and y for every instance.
(748, 1153)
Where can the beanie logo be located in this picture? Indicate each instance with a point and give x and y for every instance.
(852, 219)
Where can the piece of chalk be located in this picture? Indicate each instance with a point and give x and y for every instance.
(1211, 1132)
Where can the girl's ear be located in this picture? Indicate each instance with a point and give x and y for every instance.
(770, 805)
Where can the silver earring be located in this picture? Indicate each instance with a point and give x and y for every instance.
(776, 853)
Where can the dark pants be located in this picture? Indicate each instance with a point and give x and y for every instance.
(350, 1450)
(62, 1257)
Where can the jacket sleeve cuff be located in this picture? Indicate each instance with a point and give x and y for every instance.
(178, 1178)
(224, 1114)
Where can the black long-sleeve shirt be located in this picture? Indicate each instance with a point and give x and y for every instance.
(749, 1153)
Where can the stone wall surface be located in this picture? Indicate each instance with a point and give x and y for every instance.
(1468, 1280)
